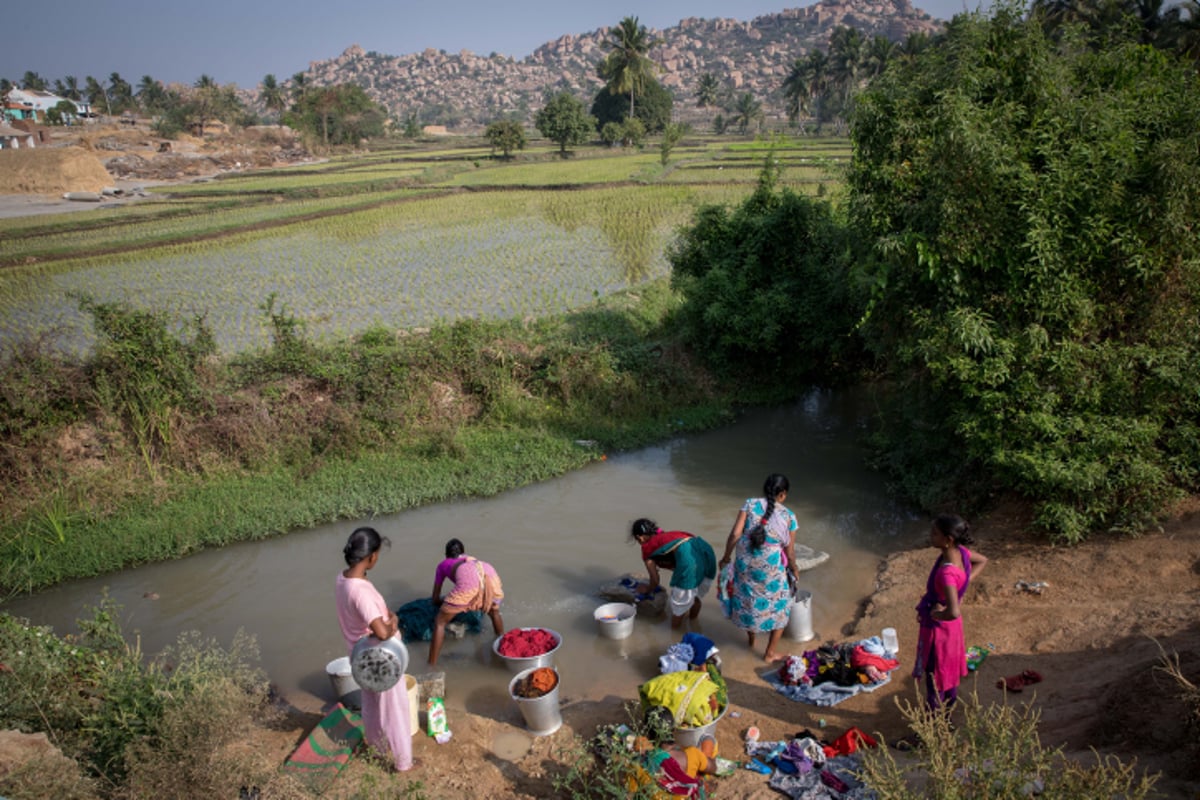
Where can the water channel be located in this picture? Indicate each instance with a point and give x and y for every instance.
(553, 544)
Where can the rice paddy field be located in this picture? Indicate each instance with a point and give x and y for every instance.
(401, 236)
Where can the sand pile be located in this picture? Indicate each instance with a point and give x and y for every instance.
(44, 170)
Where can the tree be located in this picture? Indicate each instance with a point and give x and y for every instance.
(151, 95)
(749, 113)
(96, 92)
(120, 93)
(564, 121)
(654, 110)
(62, 113)
(505, 136)
(707, 90)
(341, 114)
(626, 69)
(1036, 271)
(672, 135)
(806, 84)
(412, 126)
(271, 95)
(766, 286)
(300, 86)
(68, 88)
(33, 82)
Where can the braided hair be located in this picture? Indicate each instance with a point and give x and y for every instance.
(954, 527)
(363, 542)
(773, 486)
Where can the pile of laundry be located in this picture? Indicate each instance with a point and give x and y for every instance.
(807, 768)
(832, 673)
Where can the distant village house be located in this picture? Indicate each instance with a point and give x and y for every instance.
(31, 105)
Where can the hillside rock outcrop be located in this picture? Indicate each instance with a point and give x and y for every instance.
(464, 90)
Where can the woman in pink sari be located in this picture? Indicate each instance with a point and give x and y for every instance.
(941, 649)
(361, 611)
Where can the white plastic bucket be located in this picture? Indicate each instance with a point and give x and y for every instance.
(345, 689)
(891, 642)
(615, 620)
(340, 677)
(799, 627)
(542, 714)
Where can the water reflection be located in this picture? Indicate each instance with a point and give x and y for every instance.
(553, 543)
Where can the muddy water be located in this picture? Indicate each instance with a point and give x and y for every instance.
(553, 544)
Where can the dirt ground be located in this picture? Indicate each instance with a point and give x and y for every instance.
(1093, 632)
(131, 159)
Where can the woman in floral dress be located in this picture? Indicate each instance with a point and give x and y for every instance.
(761, 547)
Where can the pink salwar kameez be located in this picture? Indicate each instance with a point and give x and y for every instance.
(385, 715)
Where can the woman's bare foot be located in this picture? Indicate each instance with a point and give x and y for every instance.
(771, 658)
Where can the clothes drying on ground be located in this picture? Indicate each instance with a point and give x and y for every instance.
(835, 781)
(416, 620)
(828, 675)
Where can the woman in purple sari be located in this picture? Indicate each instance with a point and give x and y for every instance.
(941, 649)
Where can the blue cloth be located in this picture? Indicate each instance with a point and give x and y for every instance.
(416, 620)
(702, 647)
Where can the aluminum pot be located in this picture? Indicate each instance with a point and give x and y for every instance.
(378, 665)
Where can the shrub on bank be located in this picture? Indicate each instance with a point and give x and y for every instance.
(157, 433)
(991, 751)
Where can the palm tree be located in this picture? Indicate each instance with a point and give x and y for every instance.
(272, 95)
(876, 55)
(151, 95)
(120, 91)
(707, 90)
(71, 88)
(95, 90)
(915, 44)
(846, 48)
(33, 81)
(805, 83)
(748, 112)
(299, 87)
(626, 69)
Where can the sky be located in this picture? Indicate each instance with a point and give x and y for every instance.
(240, 41)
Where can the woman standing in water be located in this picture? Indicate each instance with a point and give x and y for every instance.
(762, 537)
(941, 650)
(692, 562)
(361, 611)
(476, 588)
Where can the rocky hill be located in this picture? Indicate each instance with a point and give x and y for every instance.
(464, 90)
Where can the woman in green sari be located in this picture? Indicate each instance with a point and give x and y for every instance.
(691, 560)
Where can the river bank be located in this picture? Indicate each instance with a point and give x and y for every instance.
(1093, 632)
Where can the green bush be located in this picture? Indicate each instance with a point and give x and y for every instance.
(766, 288)
(992, 752)
(1036, 281)
(118, 713)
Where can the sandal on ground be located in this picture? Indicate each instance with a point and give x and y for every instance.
(906, 744)
(1031, 676)
(1013, 683)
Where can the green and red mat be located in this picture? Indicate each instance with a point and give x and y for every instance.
(329, 748)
